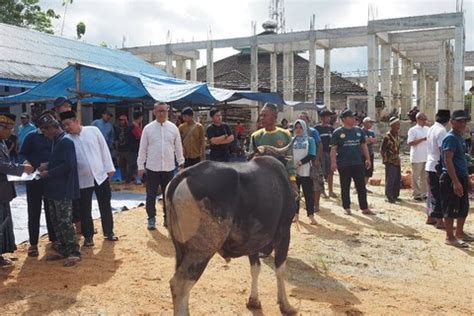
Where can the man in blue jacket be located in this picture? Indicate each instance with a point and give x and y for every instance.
(36, 149)
(61, 187)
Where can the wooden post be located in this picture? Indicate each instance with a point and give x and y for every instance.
(78, 92)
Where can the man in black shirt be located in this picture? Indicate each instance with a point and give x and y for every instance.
(325, 132)
(220, 137)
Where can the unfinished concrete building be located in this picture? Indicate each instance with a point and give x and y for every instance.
(430, 46)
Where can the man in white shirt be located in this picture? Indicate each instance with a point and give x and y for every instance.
(95, 167)
(418, 154)
(159, 145)
(436, 134)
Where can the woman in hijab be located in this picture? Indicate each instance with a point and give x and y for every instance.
(304, 151)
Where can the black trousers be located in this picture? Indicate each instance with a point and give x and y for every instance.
(125, 165)
(356, 173)
(35, 197)
(435, 196)
(307, 184)
(104, 195)
(188, 162)
(393, 178)
(155, 179)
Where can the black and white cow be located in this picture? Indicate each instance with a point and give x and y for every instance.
(234, 209)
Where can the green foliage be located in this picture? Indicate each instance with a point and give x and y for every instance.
(103, 44)
(27, 13)
(80, 29)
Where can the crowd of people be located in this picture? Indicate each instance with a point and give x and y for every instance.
(75, 161)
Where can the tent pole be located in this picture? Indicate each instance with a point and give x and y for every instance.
(78, 92)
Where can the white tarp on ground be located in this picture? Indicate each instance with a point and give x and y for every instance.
(20, 213)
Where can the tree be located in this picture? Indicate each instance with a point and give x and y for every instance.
(65, 4)
(27, 13)
(80, 29)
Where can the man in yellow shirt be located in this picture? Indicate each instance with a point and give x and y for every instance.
(192, 137)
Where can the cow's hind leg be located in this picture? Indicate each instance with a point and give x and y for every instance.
(254, 302)
(190, 269)
(281, 254)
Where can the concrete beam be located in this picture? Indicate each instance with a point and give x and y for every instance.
(154, 57)
(386, 73)
(210, 63)
(396, 81)
(290, 37)
(417, 46)
(416, 22)
(254, 67)
(422, 36)
(442, 79)
(458, 71)
(327, 78)
(372, 73)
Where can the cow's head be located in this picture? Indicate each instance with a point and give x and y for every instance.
(279, 153)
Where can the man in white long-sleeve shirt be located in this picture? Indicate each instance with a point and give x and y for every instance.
(159, 145)
(95, 167)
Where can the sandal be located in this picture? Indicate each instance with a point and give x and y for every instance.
(54, 257)
(111, 237)
(71, 261)
(467, 238)
(368, 212)
(312, 221)
(456, 243)
(5, 262)
(33, 251)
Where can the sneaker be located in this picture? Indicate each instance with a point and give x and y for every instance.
(347, 211)
(368, 191)
(71, 261)
(88, 242)
(151, 223)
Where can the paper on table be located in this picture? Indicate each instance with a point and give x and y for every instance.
(24, 177)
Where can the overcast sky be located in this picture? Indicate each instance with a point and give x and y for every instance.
(145, 22)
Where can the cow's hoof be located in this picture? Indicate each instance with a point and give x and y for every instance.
(288, 310)
(254, 303)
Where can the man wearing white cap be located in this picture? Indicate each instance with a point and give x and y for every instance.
(417, 136)
(370, 139)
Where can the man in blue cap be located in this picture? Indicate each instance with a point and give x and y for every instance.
(454, 181)
(347, 142)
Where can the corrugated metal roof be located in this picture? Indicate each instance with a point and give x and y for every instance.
(35, 56)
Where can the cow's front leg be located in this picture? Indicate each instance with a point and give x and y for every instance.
(285, 306)
(254, 302)
(281, 253)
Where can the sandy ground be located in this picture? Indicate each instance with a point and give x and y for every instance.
(390, 264)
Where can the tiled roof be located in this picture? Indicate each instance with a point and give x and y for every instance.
(234, 72)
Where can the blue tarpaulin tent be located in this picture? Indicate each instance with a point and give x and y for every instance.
(102, 84)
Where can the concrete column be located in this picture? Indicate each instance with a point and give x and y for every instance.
(458, 76)
(442, 78)
(311, 95)
(421, 89)
(273, 72)
(193, 73)
(254, 65)
(372, 73)
(291, 67)
(386, 74)
(407, 85)
(210, 64)
(169, 63)
(327, 78)
(180, 69)
(431, 98)
(288, 81)
(396, 81)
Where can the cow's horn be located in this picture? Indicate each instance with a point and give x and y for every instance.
(284, 150)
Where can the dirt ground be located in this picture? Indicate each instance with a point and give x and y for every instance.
(391, 264)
